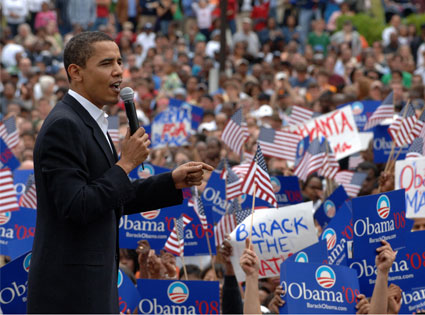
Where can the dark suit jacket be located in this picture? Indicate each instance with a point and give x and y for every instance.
(81, 195)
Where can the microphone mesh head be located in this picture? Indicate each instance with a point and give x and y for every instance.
(127, 94)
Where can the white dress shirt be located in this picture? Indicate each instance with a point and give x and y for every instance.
(97, 114)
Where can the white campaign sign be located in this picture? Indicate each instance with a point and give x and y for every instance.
(410, 175)
(276, 234)
(338, 127)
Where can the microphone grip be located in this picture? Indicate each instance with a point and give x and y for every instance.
(132, 118)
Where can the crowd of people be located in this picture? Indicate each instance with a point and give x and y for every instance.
(279, 54)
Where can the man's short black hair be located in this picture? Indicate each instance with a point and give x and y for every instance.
(80, 48)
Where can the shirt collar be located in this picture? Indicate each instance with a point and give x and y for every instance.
(95, 112)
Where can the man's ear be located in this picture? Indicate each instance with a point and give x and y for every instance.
(75, 72)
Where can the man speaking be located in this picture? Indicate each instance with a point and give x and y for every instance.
(83, 190)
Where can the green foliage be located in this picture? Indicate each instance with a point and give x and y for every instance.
(368, 26)
(416, 19)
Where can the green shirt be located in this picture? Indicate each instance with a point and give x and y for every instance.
(322, 40)
(406, 79)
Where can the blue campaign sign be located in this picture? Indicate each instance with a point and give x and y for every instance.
(407, 271)
(147, 170)
(196, 112)
(156, 225)
(378, 217)
(382, 145)
(318, 289)
(14, 285)
(20, 178)
(287, 190)
(17, 231)
(412, 301)
(7, 158)
(330, 206)
(337, 233)
(362, 110)
(178, 297)
(316, 253)
(129, 296)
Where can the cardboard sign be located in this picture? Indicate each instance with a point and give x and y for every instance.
(7, 158)
(17, 231)
(338, 232)
(20, 178)
(313, 288)
(413, 300)
(14, 285)
(382, 143)
(338, 127)
(129, 297)
(362, 110)
(276, 234)
(156, 225)
(287, 190)
(410, 175)
(178, 297)
(378, 217)
(316, 253)
(330, 206)
(196, 112)
(147, 170)
(407, 271)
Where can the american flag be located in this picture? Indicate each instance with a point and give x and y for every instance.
(354, 160)
(175, 242)
(241, 169)
(9, 133)
(351, 181)
(259, 175)
(384, 111)
(29, 198)
(198, 206)
(406, 127)
(416, 149)
(113, 128)
(8, 199)
(229, 221)
(299, 115)
(235, 133)
(330, 165)
(233, 184)
(312, 159)
(279, 144)
(247, 157)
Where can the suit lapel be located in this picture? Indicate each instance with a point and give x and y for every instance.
(113, 147)
(90, 122)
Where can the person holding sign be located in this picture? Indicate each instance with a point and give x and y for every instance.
(83, 189)
(251, 265)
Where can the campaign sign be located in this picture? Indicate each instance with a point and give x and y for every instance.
(196, 112)
(407, 271)
(412, 301)
(318, 289)
(20, 178)
(214, 197)
(330, 206)
(17, 231)
(147, 170)
(382, 143)
(14, 285)
(378, 217)
(178, 297)
(156, 225)
(338, 127)
(286, 189)
(409, 175)
(276, 235)
(317, 253)
(129, 297)
(362, 110)
(7, 158)
(337, 233)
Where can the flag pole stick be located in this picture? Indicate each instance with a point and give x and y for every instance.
(252, 212)
(212, 260)
(181, 254)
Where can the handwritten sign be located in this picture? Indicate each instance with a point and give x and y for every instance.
(410, 175)
(178, 297)
(276, 234)
(338, 127)
(313, 288)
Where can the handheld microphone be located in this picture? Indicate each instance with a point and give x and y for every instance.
(127, 95)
